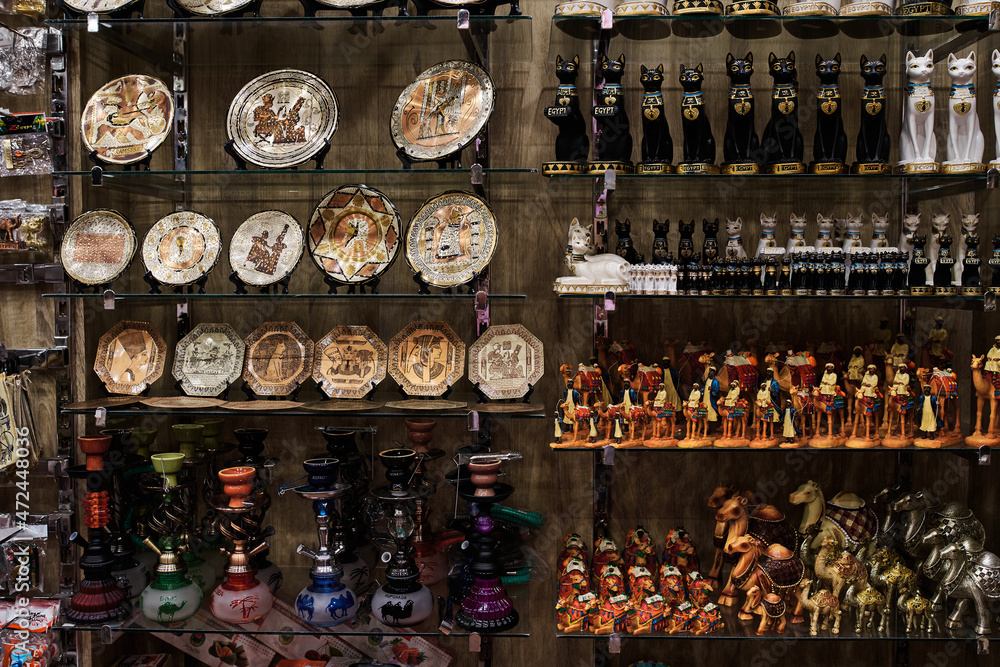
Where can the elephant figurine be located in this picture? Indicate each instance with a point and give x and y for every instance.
(970, 573)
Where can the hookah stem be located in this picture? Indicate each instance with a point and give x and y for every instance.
(170, 516)
(95, 509)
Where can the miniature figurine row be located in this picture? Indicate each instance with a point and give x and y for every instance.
(779, 149)
(654, 8)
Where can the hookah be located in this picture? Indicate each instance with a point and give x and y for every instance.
(354, 549)
(250, 444)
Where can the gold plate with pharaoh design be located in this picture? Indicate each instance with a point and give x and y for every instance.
(451, 238)
(279, 358)
(266, 248)
(130, 357)
(181, 248)
(349, 362)
(98, 247)
(127, 118)
(505, 361)
(426, 358)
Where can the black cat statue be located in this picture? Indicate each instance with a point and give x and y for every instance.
(572, 144)
(625, 248)
(740, 145)
(994, 263)
(970, 280)
(873, 137)
(661, 247)
(699, 144)
(710, 245)
(614, 141)
(685, 249)
(782, 140)
(916, 279)
(657, 148)
(830, 141)
(945, 267)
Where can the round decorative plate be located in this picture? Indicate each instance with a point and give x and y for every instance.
(208, 359)
(98, 247)
(443, 110)
(450, 238)
(182, 402)
(212, 7)
(349, 362)
(279, 358)
(181, 248)
(505, 360)
(262, 406)
(282, 118)
(130, 357)
(354, 234)
(98, 6)
(127, 118)
(266, 248)
(426, 358)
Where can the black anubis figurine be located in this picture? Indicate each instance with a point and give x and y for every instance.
(917, 275)
(710, 246)
(830, 141)
(699, 144)
(945, 263)
(970, 265)
(740, 145)
(614, 145)
(572, 144)
(873, 138)
(625, 248)
(657, 148)
(685, 250)
(661, 248)
(782, 140)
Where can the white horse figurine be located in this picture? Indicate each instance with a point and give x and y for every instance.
(604, 270)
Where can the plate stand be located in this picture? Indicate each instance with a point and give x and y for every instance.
(155, 285)
(483, 398)
(124, 13)
(447, 162)
(376, 8)
(180, 13)
(251, 396)
(141, 165)
(323, 397)
(222, 396)
(95, 289)
(241, 164)
(484, 9)
(424, 286)
(352, 288)
(107, 394)
(241, 287)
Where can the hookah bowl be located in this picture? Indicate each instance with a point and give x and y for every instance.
(237, 484)
(172, 596)
(419, 432)
(212, 429)
(143, 438)
(250, 443)
(188, 436)
(95, 447)
(168, 464)
(398, 465)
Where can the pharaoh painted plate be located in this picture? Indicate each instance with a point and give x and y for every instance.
(282, 118)
(349, 362)
(127, 118)
(354, 234)
(181, 248)
(266, 248)
(130, 357)
(279, 358)
(98, 247)
(505, 360)
(450, 238)
(426, 358)
(208, 359)
(212, 7)
(443, 110)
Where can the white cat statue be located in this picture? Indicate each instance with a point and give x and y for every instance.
(797, 238)
(593, 274)
(880, 225)
(940, 224)
(995, 164)
(965, 138)
(917, 141)
(911, 223)
(734, 239)
(970, 225)
(852, 243)
(824, 227)
(767, 225)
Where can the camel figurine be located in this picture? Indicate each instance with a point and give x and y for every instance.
(917, 609)
(580, 416)
(783, 375)
(845, 517)
(898, 577)
(771, 608)
(723, 492)
(696, 417)
(614, 419)
(660, 412)
(734, 424)
(833, 407)
(867, 602)
(838, 568)
(687, 363)
(775, 568)
(588, 381)
(984, 392)
(823, 604)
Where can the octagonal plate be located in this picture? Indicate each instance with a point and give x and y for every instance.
(451, 237)
(98, 247)
(426, 358)
(505, 360)
(208, 359)
(213, 7)
(127, 118)
(279, 357)
(181, 248)
(130, 357)
(266, 248)
(349, 362)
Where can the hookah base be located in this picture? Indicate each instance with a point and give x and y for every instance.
(492, 625)
(100, 602)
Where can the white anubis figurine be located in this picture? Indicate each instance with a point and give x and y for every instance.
(853, 230)
(824, 230)
(970, 223)
(797, 239)
(911, 223)
(940, 224)
(965, 138)
(996, 106)
(734, 239)
(880, 225)
(767, 225)
(917, 142)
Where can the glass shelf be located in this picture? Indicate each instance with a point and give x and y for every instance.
(172, 297)
(958, 300)
(960, 449)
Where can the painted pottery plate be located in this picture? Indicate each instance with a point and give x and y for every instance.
(130, 357)
(347, 4)
(354, 234)
(181, 248)
(451, 237)
(98, 247)
(127, 118)
(107, 402)
(208, 359)
(212, 7)
(279, 358)
(182, 402)
(505, 360)
(266, 248)
(342, 406)
(282, 118)
(434, 404)
(262, 405)
(443, 110)
(349, 362)
(426, 358)
(98, 6)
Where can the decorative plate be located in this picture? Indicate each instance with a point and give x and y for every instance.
(354, 234)
(266, 248)
(282, 118)
(127, 118)
(208, 359)
(98, 6)
(181, 248)
(426, 358)
(130, 357)
(264, 406)
(212, 7)
(182, 402)
(451, 237)
(505, 360)
(279, 358)
(349, 362)
(342, 406)
(443, 110)
(98, 247)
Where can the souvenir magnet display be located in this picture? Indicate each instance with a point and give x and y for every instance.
(208, 359)
(657, 147)
(130, 357)
(98, 247)
(282, 119)
(917, 141)
(506, 362)
(592, 274)
(572, 142)
(873, 137)
(349, 362)
(614, 143)
(830, 141)
(441, 112)
(740, 145)
(127, 118)
(426, 358)
(279, 358)
(180, 249)
(450, 239)
(781, 138)
(965, 138)
(699, 143)
(265, 249)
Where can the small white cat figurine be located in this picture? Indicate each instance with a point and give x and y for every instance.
(880, 225)
(917, 142)
(940, 224)
(996, 107)
(734, 239)
(607, 269)
(970, 224)
(853, 229)
(767, 225)
(965, 138)
(911, 222)
(825, 229)
(797, 223)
